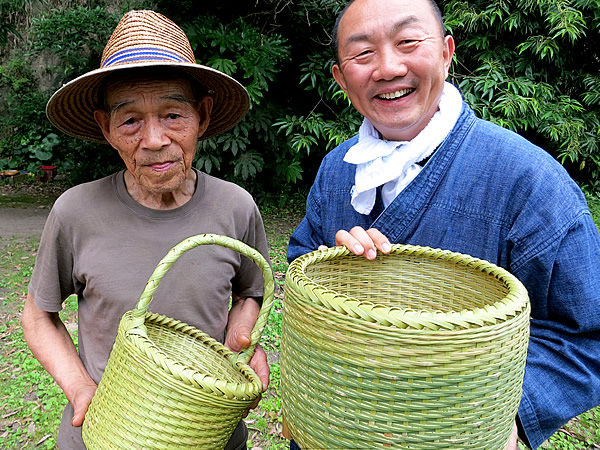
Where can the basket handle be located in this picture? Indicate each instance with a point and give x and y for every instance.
(139, 313)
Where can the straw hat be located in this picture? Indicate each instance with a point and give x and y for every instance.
(144, 39)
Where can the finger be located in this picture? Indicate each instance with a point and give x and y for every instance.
(78, 418)
(81, 404)
(260, 366)
(358, 241)
(243, 340)
(512, 443)
(349, 241)
(323, 247)
(252, 406)
(238, 339)
(381, 242)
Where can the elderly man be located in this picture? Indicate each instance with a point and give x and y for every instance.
(424, 170)
(152, 103)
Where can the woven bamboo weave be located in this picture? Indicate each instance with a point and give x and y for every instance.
(168, 384)
(421, 348)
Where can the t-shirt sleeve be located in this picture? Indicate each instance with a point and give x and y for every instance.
(249, 280)
(52, 280)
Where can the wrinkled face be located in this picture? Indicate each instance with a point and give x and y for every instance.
(393, 63)
(155, 126)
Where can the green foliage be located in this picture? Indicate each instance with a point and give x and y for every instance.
(254, 58)
(532, 66)
(26, 137)
(280, 52)
(529, 65)
(76, 38)
(323, 118)
(10, 13)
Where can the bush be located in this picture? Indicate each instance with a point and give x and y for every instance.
(272, 148)
(28, 140)
(529, 65)
(532, 66)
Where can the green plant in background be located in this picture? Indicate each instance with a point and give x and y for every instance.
(327, 118)
(24, 129)
(75, 36)
(11, 14)
(529, 65)
(532, 66)
(32, 402)
(242, 51)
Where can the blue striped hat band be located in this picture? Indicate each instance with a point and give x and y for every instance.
(142, 54)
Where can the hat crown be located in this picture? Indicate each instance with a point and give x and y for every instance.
(145, 39)
(146, 36)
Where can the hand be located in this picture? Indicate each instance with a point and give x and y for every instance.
(82, 397)
(259, 364)
(242, 317)
(241, 320)
(238, 337)
(512, 441)
(363, 242)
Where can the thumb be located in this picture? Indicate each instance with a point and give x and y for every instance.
(81, 403)
(238, 339)
(243, 338)
(78, 418)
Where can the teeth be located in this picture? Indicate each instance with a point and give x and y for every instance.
(395, 95)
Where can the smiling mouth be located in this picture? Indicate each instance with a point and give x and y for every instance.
(396, 94)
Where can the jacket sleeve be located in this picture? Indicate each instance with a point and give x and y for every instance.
(562, 374)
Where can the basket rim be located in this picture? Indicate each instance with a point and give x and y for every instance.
(210, 384)
(514, 303)
(134, 330)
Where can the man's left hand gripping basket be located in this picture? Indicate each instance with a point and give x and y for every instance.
(168, 384)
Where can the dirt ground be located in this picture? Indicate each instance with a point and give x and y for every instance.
(22, 222)
(25, 207)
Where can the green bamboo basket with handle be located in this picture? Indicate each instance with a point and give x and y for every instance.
(168, 384)
(421, 348)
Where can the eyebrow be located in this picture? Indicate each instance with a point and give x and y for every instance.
(395, 28)
(176, 97)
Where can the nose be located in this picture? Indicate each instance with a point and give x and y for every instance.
(391, 63)
(154, 135)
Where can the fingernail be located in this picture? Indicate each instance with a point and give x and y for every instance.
(358, 249)
(371, 254)
(386, 247)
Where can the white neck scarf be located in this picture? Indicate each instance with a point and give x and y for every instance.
(393, 164)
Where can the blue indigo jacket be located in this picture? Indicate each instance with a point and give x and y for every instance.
(490, 193)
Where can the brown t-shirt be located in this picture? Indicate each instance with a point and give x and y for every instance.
(102, 245)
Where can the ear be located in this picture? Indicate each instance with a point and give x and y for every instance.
(103, 122)
(448, 52)
(204, 109)
(338, 75)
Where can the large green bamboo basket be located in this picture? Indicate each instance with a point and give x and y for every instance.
(420, 348)
(168, 384)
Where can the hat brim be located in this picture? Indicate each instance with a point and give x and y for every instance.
(71, 108)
